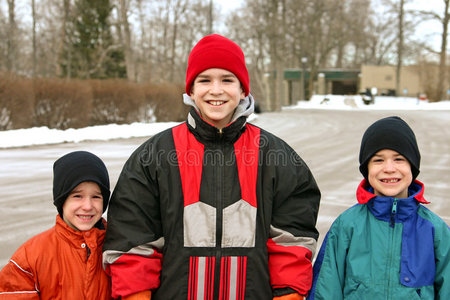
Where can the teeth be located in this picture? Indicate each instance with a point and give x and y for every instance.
(390, 180)
(85, 217)
(216, 103)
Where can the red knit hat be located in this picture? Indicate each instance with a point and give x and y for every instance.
(216, 51)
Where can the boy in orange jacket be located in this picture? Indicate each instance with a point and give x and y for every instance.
(64, 262)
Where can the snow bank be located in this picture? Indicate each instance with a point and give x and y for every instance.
(44, 135)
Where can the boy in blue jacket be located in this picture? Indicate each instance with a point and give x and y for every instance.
(388, 246)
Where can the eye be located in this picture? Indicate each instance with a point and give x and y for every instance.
(98, 196)
(229, 79)
(377, 160)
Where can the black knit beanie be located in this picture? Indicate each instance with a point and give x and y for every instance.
(74, 168)
(389, 133)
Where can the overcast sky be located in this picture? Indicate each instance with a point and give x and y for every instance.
(430, 30)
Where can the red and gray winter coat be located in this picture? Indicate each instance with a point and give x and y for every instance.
(202, 213)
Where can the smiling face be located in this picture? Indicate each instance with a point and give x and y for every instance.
(84, 206)
(389, 174)
(217, 93)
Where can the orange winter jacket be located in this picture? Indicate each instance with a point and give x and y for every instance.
(60, 263)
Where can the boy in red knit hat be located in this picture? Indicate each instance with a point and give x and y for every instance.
(215, 208)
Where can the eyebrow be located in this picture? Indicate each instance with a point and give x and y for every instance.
(380, 155)
(222, 76)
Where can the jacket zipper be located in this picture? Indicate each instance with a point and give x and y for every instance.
(393, 212)
(88, 252)
(391, 246)
(219, 219)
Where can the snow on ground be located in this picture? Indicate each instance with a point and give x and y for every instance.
(381, 103)
(44, 135)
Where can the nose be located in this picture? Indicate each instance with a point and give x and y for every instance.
(87, 203)
(389, 166)
(216, 87)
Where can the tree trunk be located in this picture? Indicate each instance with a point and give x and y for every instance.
(210, 17)
(400, 48)
(129, 59)
(442, 61)
(64, 44)
(143, 62)
(33, 13)
(275, 58)
(11, 42)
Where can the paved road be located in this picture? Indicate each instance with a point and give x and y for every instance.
(327, 140)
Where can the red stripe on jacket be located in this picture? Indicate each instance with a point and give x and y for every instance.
(247, 154)
(190, 161)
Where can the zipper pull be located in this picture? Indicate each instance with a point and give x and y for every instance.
(393, 212)
(220, 132)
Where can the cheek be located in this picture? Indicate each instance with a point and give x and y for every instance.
(372, 173)
(67, 204)
(407, 172)
(99, 206)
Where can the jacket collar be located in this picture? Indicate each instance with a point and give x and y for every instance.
(206, 132)
(389, 208)
(364, 192)
(244, 109)
(91, 238)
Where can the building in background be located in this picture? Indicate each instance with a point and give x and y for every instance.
(415, 81)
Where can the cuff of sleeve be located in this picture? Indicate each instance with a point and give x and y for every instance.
(293, 296)
(144, 295)
(277, 292)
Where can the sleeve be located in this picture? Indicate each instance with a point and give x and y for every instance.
(442, 250)
(329, 267)
(17, 280)
(293, 232)
(133, 242)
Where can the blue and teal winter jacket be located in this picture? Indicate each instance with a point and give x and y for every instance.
(384, 248)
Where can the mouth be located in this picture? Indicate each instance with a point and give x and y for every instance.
(390, 180)
(85, 217)
(216, 102)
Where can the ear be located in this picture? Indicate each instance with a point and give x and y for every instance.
(192, 88)
(242, 95)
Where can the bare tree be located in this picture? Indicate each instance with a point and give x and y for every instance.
(178, 11)
(65, 50)
(11, 37)
(143, 63)
(126, 42)
(437, 93)
(443, 55)
(401, 10)
(210, 17)
(33, 15)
